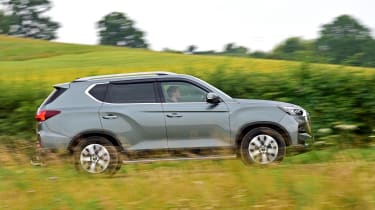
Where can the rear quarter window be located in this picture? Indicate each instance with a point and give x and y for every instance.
(99, 91)
(54, 95)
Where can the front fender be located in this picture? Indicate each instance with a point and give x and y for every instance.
(242, 116)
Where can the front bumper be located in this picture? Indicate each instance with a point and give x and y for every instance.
(298, 128)
(304, 129)
(304, 135)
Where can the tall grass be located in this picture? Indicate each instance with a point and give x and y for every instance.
(342, 180)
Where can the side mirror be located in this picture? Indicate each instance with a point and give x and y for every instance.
(212, 98)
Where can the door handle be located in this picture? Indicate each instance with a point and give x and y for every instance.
(109, 117)
(174, 115)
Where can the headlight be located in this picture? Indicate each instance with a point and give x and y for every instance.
(292, 110)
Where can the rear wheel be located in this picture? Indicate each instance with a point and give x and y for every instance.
(262, 146)
(96, 155)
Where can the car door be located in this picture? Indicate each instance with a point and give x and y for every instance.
(133, 112)
(191, 122)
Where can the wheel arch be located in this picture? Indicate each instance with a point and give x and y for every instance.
(277, 127)
(108, 135)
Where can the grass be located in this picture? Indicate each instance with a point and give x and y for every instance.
(340, 180)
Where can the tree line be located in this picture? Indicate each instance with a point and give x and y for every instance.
(343, 41)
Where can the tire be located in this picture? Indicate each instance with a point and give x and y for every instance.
(96, 155)
(263, 146)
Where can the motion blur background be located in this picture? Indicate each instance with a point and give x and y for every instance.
(318, 54)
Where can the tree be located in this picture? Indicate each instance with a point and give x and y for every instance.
(4, 23)
(290, 45)
(295, 48)
(117, 29)
(231, 48)
(191, 48)
(26, 19)
(343, 40)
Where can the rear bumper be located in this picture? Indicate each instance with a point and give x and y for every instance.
(47, 139)
(53, 141)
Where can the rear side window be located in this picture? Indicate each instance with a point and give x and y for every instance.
(99, 91)
(132, 93)
(54, 95)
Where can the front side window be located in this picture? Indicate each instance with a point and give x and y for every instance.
(132, 93)
(174, 92)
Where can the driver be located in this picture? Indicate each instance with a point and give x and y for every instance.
(173, 94)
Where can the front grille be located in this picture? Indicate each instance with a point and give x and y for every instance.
(302, 128)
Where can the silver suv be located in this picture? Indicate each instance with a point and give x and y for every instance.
(144, 117)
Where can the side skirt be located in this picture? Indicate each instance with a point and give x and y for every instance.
(178, 159)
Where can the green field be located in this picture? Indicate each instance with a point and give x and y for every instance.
(48, 63)
(335, 177)
(328, 179)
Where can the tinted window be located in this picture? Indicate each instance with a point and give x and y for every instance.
(182, 92)
(55, 94)
(132, 93)
(99, 91)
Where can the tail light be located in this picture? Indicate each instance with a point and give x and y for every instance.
(45, 114)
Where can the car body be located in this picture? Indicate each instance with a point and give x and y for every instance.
(102, 117)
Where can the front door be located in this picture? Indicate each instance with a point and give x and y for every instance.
(191, 122)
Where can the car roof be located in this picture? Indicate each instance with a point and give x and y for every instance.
(127, 76)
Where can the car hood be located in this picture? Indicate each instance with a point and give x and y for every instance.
(256, 102)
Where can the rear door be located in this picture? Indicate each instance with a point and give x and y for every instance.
(133, 112)
(192, 122)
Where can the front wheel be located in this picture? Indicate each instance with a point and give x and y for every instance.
(262, 146)
(96, 155)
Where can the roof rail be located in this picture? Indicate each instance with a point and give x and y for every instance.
(109, 76)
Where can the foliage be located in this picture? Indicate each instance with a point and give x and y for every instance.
(291, 45)
(330, 96)
(17, 110)
(259, 54)
(117, 29)
(4, 23)
(191, 49)
(26, 19)
(232, 49)
(343, 40)
(295, 48)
